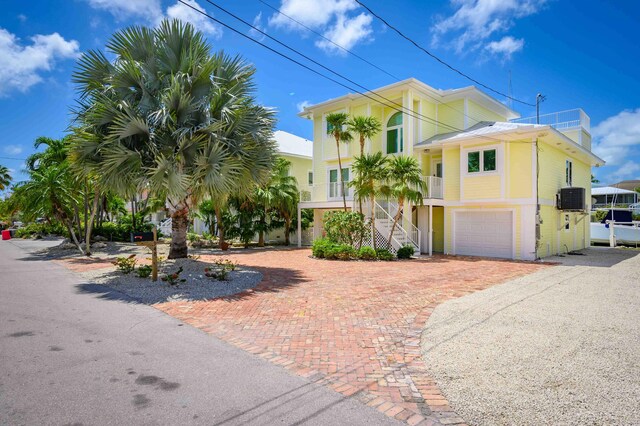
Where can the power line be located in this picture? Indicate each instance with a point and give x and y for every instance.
(319, 73)
(440, 60)
(370, 63)
(344, 49)
(404, 109)
(11, 158)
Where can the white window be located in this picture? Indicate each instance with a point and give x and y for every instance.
(394, 134)
(481, 161)
(568, 172)
(336, 186)
(310, 178)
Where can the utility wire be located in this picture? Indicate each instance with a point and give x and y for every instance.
(366, 61)
(401, 34)
(404, 109)
(344, 49)
(432, 121)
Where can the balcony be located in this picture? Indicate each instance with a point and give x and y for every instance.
(563, 120)
(333, 191)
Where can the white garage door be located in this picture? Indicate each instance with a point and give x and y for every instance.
(484, 233)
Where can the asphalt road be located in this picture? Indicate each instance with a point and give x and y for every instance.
(72, 353)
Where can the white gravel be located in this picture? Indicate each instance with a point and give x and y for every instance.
(196, 287)
(561, 346)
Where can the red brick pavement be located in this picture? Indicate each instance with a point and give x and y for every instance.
(353, 326)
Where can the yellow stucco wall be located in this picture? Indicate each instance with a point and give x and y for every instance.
(300, 167)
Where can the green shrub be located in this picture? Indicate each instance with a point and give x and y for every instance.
(320, 246)
(345, 227)
(126, 265)
(405, 252)
(366, 253)
(174, 278)
(120, 231)
(384, 254)
(193, 237)
(340, 252)
(144, 271)
(41, 229)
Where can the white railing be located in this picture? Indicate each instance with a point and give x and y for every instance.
(434, 187)
(406, 223)
(327, 192)
(405, 233)
(561, 120)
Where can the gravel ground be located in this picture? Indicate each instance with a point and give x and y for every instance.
(561, 346)
(196, 287)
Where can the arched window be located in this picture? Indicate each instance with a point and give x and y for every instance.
(394, 134)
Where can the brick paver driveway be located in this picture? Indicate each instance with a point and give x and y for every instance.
(354, 326)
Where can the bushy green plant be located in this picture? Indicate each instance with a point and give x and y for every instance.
(124, 264)
(41, 229)
(220, 274)
(405, 252)
(345, 227)
(193, 237)
(384, 254)
(320, 246)
(341, 252)
(144, 271)
(366, 253)
(121, 231)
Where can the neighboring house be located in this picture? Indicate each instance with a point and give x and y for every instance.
(609, 196)
(484, 175)
(299, 152)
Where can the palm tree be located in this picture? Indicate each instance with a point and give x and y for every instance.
(404, 183)
(51, 192)
(371, 172)
(366, 127)
(5, 178)
(170, 117)
(337, 127)
(284, 195)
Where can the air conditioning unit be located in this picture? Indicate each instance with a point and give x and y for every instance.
(571, 199)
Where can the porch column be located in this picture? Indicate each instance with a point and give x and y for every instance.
(430, 229)
(299, 226)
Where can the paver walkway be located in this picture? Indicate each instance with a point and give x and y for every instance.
(354, 326)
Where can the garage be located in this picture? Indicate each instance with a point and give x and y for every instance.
(483, 233)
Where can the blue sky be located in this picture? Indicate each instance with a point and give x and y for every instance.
(578, 54)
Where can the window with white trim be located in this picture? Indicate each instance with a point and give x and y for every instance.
(481, 161)
(310, 178)
(394, 134)
(568, 173)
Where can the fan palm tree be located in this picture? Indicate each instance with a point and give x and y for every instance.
(371, 172)
(404, 183)
(5, 178)
(337, 127)
(169, 116)
(365, 127)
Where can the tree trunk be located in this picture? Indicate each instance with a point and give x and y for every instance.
(263, 222)
(77, 218)
(341, 188)
(86, 209)
(72, 234)
(179, 226)
(395, 220)
(287, 230)
(89, 228)
(372, 199)
(133, 215)
(220, 227)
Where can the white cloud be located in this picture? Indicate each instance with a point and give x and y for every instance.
(346, 32)
(257, 22)
(302, 105)
(331, 17)
(506, 47)
(475, 21)
(617, 137)
(22, 18)
(151, 10)
(628, 170)
(13, 149)
(198, 20)
(21, 65)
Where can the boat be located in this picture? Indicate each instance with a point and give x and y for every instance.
(626, 231)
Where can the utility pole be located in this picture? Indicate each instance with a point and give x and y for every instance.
(539, 99)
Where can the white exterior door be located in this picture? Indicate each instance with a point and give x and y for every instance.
(484, 233)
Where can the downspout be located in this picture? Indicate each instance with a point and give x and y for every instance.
(538, 218)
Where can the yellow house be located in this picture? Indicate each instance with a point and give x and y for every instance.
(299, 152)
(493, 180)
